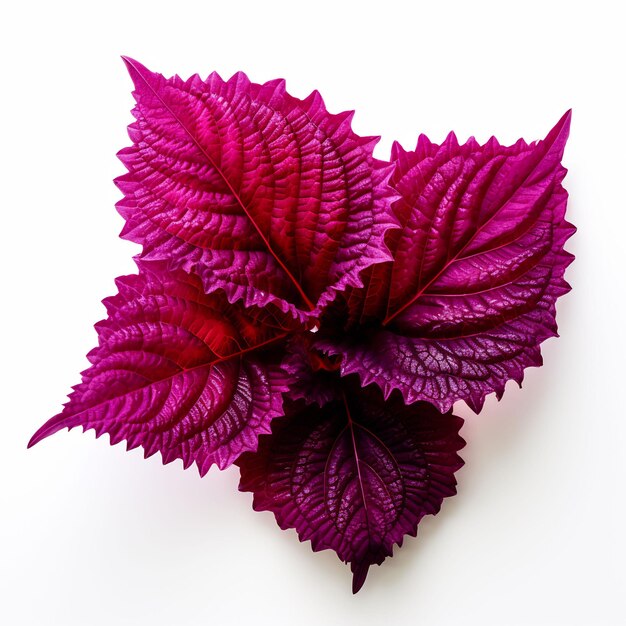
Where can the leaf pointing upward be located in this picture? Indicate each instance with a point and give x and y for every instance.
(265, 196)
(478, 266)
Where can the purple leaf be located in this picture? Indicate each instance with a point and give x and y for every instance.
(357, 475)
(263, 195)
(478, 265)
(169, 373)
(312, 374)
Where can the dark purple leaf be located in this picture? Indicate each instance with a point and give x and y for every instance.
(357, 475)
(312, 374)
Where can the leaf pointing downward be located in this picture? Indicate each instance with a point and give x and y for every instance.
(356, 475)
(265, 196)
(168, 374)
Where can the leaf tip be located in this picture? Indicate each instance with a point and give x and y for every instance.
(129, 62)
(136, 70)
(559, 134)
(359, 574)
(53, 425)
(38, 436)
(565, 121)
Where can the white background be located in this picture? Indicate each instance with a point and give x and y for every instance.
(93, 535)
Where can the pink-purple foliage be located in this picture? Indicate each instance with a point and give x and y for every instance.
(311, 313)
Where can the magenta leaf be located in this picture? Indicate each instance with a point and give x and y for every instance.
(357, 475)
(263, 195)
(178, 372)
(478, 265)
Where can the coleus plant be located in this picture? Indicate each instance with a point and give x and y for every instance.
(311, 313)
